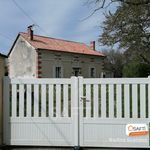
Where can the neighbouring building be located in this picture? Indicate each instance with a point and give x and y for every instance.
(44, 57)
(2, 73)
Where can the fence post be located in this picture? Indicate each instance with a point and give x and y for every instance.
(6, 111)
(149, 96)
(74, 109)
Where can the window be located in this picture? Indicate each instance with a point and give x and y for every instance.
(76, 72)
(92, 72)
(58, 72)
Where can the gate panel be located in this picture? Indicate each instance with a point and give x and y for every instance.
(76, 111)
(118, 102)
(35, 112)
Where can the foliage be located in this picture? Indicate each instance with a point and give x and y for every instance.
(114, 62)
(136, 69)
(128, 28)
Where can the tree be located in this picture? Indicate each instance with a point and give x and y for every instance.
(136, 69)
(129, 27)
(114, 62)
(104, 3)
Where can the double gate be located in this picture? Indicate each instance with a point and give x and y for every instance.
(76, 112)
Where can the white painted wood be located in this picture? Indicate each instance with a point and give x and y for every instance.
(21, 100)
(58, 100)
(36, 100)
(75, 109)
(119, 101)
(65, 100)
(111, 101)
(43, 100)
(142, 101)
(127, 101)
(96, 102)
(28, 100)
(14, 100)
(134, 101)
(88, 100)
(51, 100)
(103, 101)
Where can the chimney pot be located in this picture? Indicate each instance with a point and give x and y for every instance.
(30, 32)
(92, 45)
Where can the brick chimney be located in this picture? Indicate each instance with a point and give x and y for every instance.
(30, 32)
(92, 45)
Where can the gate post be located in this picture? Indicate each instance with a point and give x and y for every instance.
(149, 96)
(75, 109)
(80, 97)
(6, 110)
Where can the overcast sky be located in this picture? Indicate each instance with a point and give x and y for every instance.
(56, 18)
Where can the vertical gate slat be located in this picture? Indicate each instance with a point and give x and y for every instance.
(96, 104)
(58, 100)
(111, 101)
(36, 100)
(134, 101)
(21, 100)
(88, 100)
(142, 101)
(127, 101)
(43, 100)
(14, 100)
(119, 101)
(65, 102)
(103, 100)
(28, 100)
(51, 100)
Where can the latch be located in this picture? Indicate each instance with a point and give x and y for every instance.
(84, 99)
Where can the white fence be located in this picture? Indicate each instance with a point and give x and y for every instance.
(76, 111)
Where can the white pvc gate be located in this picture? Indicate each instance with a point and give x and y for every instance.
(107, 106)
(75, 112)
(40, 112)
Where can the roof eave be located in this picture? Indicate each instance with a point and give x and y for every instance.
(70, 52)
(3, 55)
(13, 45)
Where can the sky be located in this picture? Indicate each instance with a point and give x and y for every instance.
(63, 19)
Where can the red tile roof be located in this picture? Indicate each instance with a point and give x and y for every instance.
(41, 42)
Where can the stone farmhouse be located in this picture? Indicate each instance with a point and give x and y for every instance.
(44, 57)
